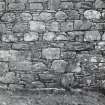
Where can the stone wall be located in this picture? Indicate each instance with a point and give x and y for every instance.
(52, 44)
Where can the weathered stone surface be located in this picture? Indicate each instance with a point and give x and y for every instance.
(59, 66)
(92, 14)
(49, 36)
(103, 36)
(31, 36)
(16, 6)
(53, 26)
(82, 25)
(99, 4)
(66, 26)
(60, 15)
(25, 16)
(61, 37)
(8, 78)
(37, 26)
(54, 4)
(8, 17)
(36, 6)
(66, 5)
(45, 16)
(51, 53)
(92, 35)
(2, 6)
(20, 27)
(3, 28)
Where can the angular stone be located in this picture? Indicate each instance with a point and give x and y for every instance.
(67, 80)
(53, 26)
(45, 16)
(16, 6)
(99, 4)
(20, 27)
(54, 4)
(9, 77)
(3, 68)
(39, 67)
(37, 84)
(26, 16)
(51, 53)
(8, 17)
(60, 15)
(36, 16)
(66, 5)
(3, 28)
(92, 14)
(103, 36)
(36, 6)
(73, 14)
(61, 37)
(23, 66)
(92, 35)
(49, 36)
(100, 45)
(31, 36)
(59, 66)
(66, 26)
(82, 25)
(37, 26)
(2, 6)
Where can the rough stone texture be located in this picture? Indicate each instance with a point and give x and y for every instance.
(52, 46)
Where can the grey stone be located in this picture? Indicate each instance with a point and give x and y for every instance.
(51, 53)
(103, 36)
(59, 66)
(37, 26)
(2, 6)
(20, 27)
(99, 4)
(31, 36)
(66, 5)
(66, 26)
(8, 17)
(61, 37)
(25, 16)
(49, 36)
(60, 15)
(8, 78)
(92, 14)
(53, 26)
(45, 16)
(82, 25)
(92, 35)
(16, 6)
(36, 6)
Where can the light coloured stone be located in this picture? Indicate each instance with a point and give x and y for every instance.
(99, 4)
(92, 14)
(60, 15)
(37, 26)
(103, 36)
(49, 36)
(61, 37)
(36, 6)
(26, 16)
(92, 35)
(51, 53)
(31, 36)
(45, 16)
(59, 66)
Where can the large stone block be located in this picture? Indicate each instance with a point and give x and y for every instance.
(59, 66)
(37, 26)
(36, 6)
(2, 6)
(51, 53)
(99, 4)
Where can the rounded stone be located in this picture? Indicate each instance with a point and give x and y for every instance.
(31, 36)
(45, 16)
(92, 14)
(61, 37)
(26, 16)
(92, 35)
(60, 15)
(59, 66)
(8, 17)
(49, 36)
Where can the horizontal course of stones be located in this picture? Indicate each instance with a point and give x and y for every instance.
(52, 44)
